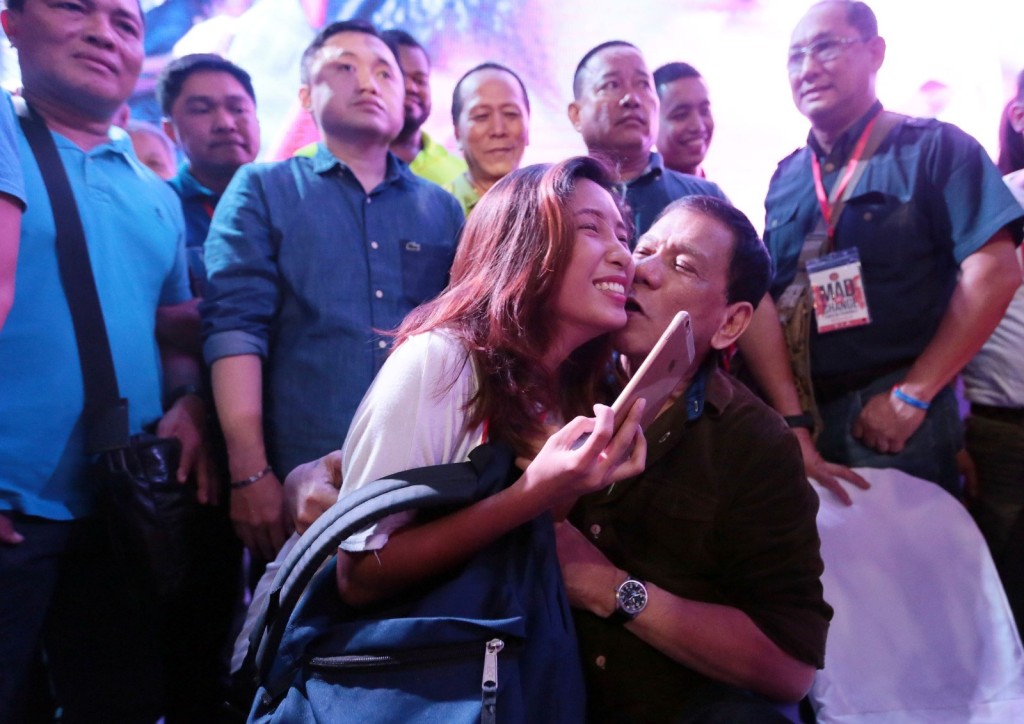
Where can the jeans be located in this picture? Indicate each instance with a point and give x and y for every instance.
(60, 588)
(997, 448)
(930, 453)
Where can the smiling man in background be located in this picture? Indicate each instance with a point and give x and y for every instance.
(491, 113)
(615, 109)
(686, 124)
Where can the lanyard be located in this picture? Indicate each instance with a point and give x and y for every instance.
(826, 201)
(208, 207)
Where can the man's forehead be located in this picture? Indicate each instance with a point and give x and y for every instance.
(684, 90)
(678, 232)
(212, 81)
(356, 44)
(824, 20)
(617, 58)
(499, 83)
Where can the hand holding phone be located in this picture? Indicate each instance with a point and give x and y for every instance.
(661, 372)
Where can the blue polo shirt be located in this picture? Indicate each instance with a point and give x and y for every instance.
(305, 269)
(929, 198)
(11, 181)
(197, 204)
(134, 232)
(657, 187)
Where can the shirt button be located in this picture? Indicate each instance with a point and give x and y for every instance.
(664, 437)
(595, 530)
(379, 294)
(867, 216)
(600, 661)
(374, 245)
(382, 344)
(830, 167)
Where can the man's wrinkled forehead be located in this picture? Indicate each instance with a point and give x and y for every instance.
(825, 20)
(616, 59)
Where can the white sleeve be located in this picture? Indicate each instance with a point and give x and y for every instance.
(412, 416)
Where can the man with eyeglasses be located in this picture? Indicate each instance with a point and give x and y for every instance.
(923, 237)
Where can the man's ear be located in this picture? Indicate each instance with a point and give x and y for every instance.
(305, 100)
(737, 319)
(169, 131)
(877, 47)
(574, 115)
(9, 25)
(1017, 116)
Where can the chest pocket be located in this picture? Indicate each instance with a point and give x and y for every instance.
(882, 223)
(677, 522)
(785, 239)
(425, 269)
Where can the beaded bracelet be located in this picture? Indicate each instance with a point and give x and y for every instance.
(238, 484)
(912, 401)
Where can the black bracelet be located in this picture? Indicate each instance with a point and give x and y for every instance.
(255, 477)
(804, 419)
(181, 391)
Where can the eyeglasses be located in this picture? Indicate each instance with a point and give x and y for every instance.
(825, 51)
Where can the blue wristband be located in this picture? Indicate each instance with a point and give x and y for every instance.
(912, 401)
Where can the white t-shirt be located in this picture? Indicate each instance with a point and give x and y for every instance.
(413, 415)
(995, 376)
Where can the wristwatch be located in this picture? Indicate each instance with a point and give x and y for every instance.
(630, 600)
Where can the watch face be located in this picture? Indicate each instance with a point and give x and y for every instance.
(632, 597)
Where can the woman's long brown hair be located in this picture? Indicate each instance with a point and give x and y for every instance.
(510, 262)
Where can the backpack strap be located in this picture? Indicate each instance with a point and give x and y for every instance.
(452, 484)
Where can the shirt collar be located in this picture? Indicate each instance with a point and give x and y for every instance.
(429, 147)
(655, 168)
(188, 186)
(847, 139)
(324, 161)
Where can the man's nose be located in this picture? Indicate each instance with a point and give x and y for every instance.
(646, 271)
(100, 30)
(629, 100)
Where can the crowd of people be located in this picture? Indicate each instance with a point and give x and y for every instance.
(376, 303)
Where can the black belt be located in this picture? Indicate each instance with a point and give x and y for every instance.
(831, 388)
(1012, 415)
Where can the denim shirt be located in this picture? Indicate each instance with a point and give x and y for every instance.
(657, 187)
(306, 270)
(929, 198)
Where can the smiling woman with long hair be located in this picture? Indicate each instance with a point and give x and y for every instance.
(516, 345)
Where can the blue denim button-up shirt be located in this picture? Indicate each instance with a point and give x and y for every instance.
(657, 187)
(305, 269)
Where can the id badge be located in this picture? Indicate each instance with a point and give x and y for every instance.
(837, 289)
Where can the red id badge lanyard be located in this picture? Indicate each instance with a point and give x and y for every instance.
(827, 201)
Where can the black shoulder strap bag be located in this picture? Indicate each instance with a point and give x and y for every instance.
(145, 507)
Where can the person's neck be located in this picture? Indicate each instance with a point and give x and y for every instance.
(627, 163)
(367, 159)
(828, 132)
(481, 186)
(87, 131)
(213, 179)
(406, 147)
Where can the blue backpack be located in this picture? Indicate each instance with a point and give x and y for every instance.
(490, 641)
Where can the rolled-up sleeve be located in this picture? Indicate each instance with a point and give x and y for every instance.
(243, 288)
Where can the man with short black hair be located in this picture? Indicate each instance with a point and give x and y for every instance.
(696, 584)
(686, 123)
(63, 586)
(491, 113)
(426, 157)
(309, 260)
(615, 109)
